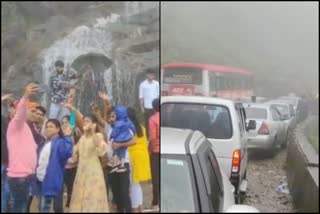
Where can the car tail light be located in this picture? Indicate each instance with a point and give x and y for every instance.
(164, 93)
(236, 161)
(263, 129)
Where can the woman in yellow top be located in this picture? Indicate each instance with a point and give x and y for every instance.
(89, 191)
(140, 163)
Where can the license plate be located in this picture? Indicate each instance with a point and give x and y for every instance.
(181, 90)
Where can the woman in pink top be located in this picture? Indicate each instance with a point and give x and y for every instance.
(22, 150)
(154, 139)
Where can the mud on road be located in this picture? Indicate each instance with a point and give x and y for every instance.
(265, 174)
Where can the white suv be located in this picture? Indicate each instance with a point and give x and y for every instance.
(223, 122)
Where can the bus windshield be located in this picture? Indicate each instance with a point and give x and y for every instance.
(182, 75)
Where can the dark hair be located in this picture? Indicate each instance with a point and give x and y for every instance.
(59, 63)
(42, 109)
(92, 117)
(57, 124)
(66, 116)
(156, 104)
(133, 117)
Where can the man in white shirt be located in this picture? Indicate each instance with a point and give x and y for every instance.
(148, 91)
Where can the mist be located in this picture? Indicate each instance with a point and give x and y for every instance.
(278, 41)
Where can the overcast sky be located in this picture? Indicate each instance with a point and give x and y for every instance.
(280, 36)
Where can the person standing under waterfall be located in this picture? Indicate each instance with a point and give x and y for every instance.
(59, 87)
(92, 82)
(148, 91)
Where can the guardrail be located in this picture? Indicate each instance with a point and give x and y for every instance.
(303, 170)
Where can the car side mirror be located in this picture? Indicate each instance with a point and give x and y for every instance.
(251, 125)
(240, 208)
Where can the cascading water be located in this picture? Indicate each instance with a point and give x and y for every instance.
(135, 7)
(119, 75)
(82, 40)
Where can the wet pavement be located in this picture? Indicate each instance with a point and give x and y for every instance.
(265, 174)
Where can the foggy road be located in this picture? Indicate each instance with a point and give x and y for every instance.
(264, 175)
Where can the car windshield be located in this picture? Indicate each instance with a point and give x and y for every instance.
(177, 184)
(284, 109)
(212, 120)
(256, 113)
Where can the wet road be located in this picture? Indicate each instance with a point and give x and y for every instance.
(265, 174)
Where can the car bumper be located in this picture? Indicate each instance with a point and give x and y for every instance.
(260, 142)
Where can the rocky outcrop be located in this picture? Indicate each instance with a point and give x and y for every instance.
(130, 42)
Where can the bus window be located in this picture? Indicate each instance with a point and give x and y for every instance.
(247, 84)
(229, 82)
(251, 82)
(212, 81)
(223, 83)
(217, 82)
(235, 83)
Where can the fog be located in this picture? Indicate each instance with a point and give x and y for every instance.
(278, 41)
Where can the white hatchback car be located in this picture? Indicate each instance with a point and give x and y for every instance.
(271, 127)
(191, 179)
(222, 122)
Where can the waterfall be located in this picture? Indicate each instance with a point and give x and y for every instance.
(82, 40)
(135, 7)
(96, 39)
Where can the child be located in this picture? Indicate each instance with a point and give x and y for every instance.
(122, 131)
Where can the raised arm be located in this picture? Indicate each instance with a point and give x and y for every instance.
(96, 111)
(107, 104)
(116, 146)
(79, 116)
(5, 98)
(21, 114)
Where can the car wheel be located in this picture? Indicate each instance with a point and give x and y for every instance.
(237, 195)
(243, 194)
(274, 147)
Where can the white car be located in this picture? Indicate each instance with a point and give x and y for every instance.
(222, 122)
(191, 179)
(287, 110)
(271, 129)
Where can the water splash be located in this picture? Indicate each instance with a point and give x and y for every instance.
(120, 78)
(135, 7)
(82, 40)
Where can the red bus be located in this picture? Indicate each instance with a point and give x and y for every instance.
(205, 80)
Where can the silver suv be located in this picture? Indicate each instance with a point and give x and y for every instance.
(224, 125)
(191, 179)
